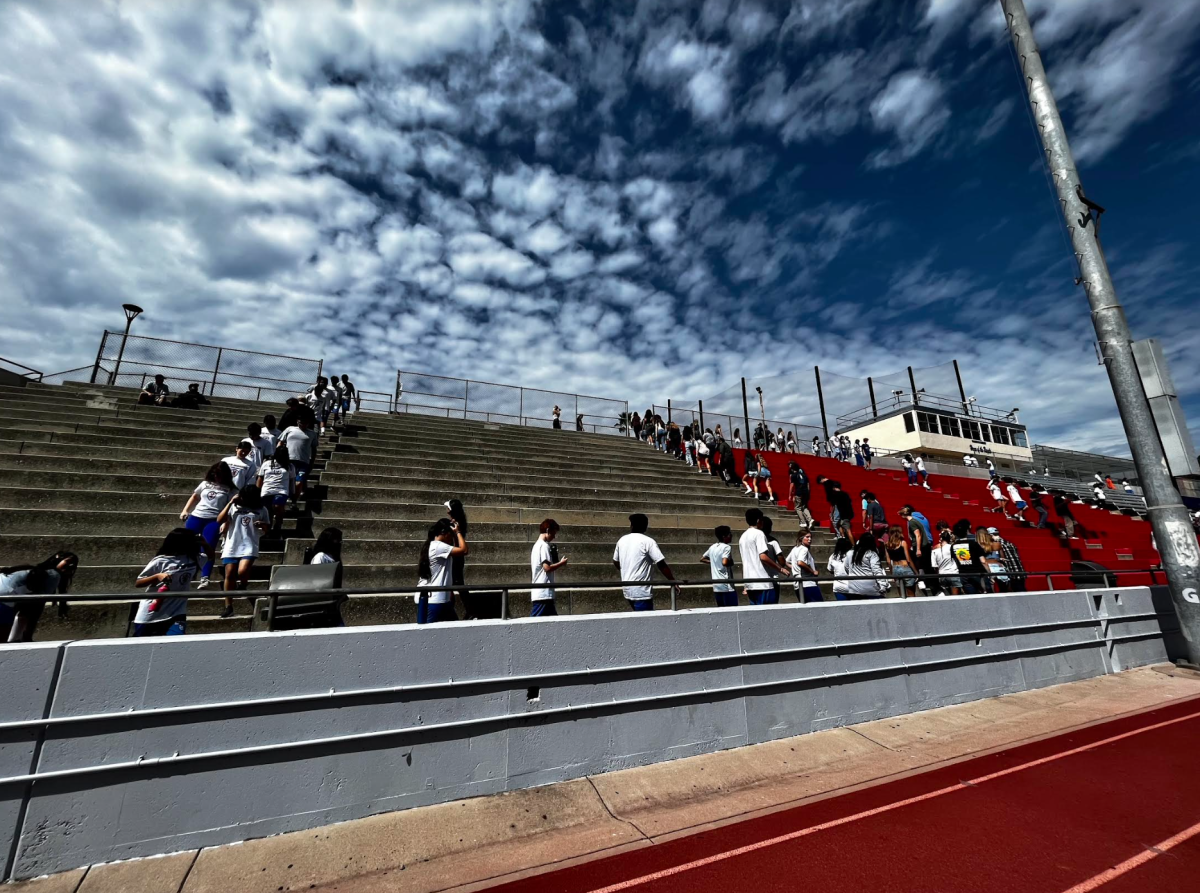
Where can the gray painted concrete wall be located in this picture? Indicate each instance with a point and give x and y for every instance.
(387, 718)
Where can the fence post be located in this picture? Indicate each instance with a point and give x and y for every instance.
(520, 406)
(99, 354)
(669, 405)
(466, 397)
(912, 382)
(674, 590)
(272, 602)
(503, 604)
(216, 368)
(820, 400)
(871, 389)
(745, 412)
(702, 417)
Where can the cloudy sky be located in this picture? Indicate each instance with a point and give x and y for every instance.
(643, 200)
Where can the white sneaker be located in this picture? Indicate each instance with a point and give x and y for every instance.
(203, 583)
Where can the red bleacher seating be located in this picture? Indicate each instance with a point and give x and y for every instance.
(1109, 538)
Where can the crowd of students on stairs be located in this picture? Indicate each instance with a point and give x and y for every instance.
(243, 496)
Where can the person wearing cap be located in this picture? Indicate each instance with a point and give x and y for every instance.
(241, 463)
(155, 393)
(1012, 562)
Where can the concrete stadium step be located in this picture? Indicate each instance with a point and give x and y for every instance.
(88, 482)
(480, 463)
(167, 452)
(451, 475)
(417, 523)
(120, 440)
(51, 464)
(94, 418)
(600, 549)
(433, 447)
(496, 493)
(336, 506)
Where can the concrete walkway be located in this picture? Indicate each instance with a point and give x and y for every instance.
(472, 844)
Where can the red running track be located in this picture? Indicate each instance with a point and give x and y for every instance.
(1113, 808)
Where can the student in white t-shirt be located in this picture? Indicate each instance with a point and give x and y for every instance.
(719, 559)
(544, 560)
(635, 557)
(270, 428)
(1017, 500)
(1001, 501)
(803, 566)
(298, 443)
(444, 541)
(837, 564)
(203, 506)
(264, 444)
(242, 464)
(171, 570)
(919, 467)
(757, 561)
(947, 567)
(245, 518)
(275, 481)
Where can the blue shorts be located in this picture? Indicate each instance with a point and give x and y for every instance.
(764, 596)
(228, 561)
(346, 404)
(543, 609)
(428, 612)
(278, 499)
(301, 469)
(726, 599)
(764, 472)
(174, 626)
(1022, 504)
(641, 604)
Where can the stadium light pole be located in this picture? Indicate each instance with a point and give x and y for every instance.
(132, 312)
(1173, 533)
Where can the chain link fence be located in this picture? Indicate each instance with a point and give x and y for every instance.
(459, 398)
(219, 371)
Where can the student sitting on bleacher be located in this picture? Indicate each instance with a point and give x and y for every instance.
(191, 398)
(155, 393)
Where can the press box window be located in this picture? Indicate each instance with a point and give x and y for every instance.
(1019, 439)
(986, 432)
(950, 426)
(927, 423)
(908, 423)
(1001, 434)
(970, 430)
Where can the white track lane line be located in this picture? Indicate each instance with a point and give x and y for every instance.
(899, 804)
(1140, 859)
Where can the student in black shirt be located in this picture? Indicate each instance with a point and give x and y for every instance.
(800, 494)
(969, 556)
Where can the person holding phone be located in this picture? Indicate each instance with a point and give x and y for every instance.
(544, 560)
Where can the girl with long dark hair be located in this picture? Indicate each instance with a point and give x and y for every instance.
(19, 620)
(203, 508)
(443, 541)
(245, 519)
(172, 569)
(864, 563)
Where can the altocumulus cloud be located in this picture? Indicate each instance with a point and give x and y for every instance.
(639, 201)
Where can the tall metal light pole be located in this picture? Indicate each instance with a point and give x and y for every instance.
(1169, 518)
(132, 311)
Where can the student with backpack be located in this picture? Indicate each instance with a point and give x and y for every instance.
(800, 493)
(245, 518)
(719, 558)
(172, 570)
(204, 507)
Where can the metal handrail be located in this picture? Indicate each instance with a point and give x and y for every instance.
(525, 586)
(28, 369)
